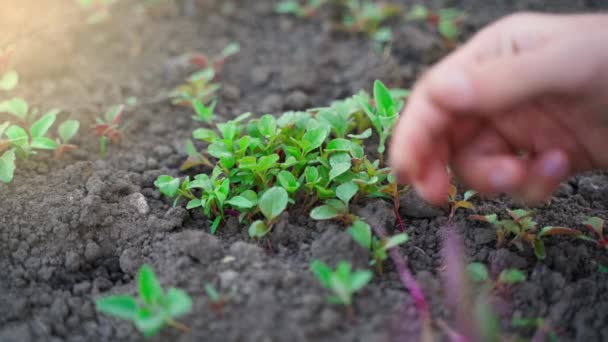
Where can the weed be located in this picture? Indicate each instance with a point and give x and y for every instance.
(362, 234)
(153, 309)
(342, 281)
(523, 229)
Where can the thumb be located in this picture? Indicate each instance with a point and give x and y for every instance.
(503, 82)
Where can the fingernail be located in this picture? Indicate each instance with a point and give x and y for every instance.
(554, 165)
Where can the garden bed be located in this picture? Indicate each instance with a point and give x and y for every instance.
(75, 229)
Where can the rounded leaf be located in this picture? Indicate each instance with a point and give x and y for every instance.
(273, 202)
(7, 166)
(121, 306)
(148, 285)
(324, 212)
(67, 130)
(478, 272)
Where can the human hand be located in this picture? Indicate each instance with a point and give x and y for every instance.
(517, 109)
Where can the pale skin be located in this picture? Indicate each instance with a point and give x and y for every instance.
(517, 109)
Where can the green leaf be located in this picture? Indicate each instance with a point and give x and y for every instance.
(448, 29)
(396, 240)
(219, 150)
(204, 134)
(204, 113)
(258, 229)
(324, 212)
(312, 174)
(267, 162)
(553, 230)
(120, 306)
(149, 323)
(15, 106)
(539, 249)
(44, 143)
(267, 125)
(346, 191)
(469, 194)
(288, 181)
(212, 293)
(7, 166)
(9, 80)
(231, 49)
(18, 136)
(148, 285)
(478, 272)
(167, 185)
(362, 234)
(42, 125)
(178, 302)
(241, 202)
(67, 130)
(383, 99)
(366, 134)
(314, 138)
(195, 203)
(360, 279)
(339, 145)
(596, 224)
(288, 7)
(340, 163)
(511, 276)
(322, 272)
(273, 202)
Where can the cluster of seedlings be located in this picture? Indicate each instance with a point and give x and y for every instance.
(26, 130)
(369, 17)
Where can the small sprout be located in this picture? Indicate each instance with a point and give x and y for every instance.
(203, 113)
(195, 158)
(153, 309)
(511, 276)
(110, 127)
(66, 132)
(217, 301)
(523, 229)
(384, 115)
(199, 86)
(447, 21)
(362, 234)
(343, 282)
(295, 8)
(478, 273)
(337, 208)
(463, 203)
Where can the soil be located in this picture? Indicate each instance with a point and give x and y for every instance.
(75, 229)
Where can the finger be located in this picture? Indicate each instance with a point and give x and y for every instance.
(433, 186)
(545, 174)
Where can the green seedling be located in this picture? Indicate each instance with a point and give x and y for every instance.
(204, 113)
(362, 234)
(272, 203)
(110, 127)
(153, 309)
(199, 86)
(368, 16)
(66, 132)
(523, 229)
(195, 158)
(478, 273)
(342, 281)
(294, 7)
(456, 203)
(337, 208)
(383, 114)
(540, 324)
(596, 226)
(217, 301)
(7, 166)
(447, 21)
(202, 61)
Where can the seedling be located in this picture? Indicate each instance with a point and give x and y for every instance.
(384, 113)
(544, 332)
(110, 127)
(153, 308)
(337, 208)
(195, 158)
(204, 113)
(367, 16)
(272, 203)
(217, 301)
(199, 86)
(294, 7)
(595, 225)
(66, 132)
(7, 166)
(447, 21)
(343, 282)
(362, 234)
(202, 61)
(524, 229)
(478, 273)
(456, 203)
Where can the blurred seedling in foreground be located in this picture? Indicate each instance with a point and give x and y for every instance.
(478, 273)
(66, 132)
(294, 7)
(523, 229)
(544, 331)
(216, 299)
(342, 281)
(8, 78)
(447, 21)
(596, 226)
(362, 234)
(152, 309)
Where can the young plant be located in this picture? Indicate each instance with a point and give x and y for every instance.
(447, 22)
(199, 86)
(362, 234)
(217, 301)
(202, 61)
(456, 203)
(294, 7)
(195, 158)
(478, 273)
(337, 208)
(66, 132)
(153, 309)
(367, 16)
(342, 281)
(523, 229)
(383, 114)
(110, 127)
(595, 225)
(204, 113)
(272, 203)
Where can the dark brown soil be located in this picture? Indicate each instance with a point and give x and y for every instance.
(78, 228)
